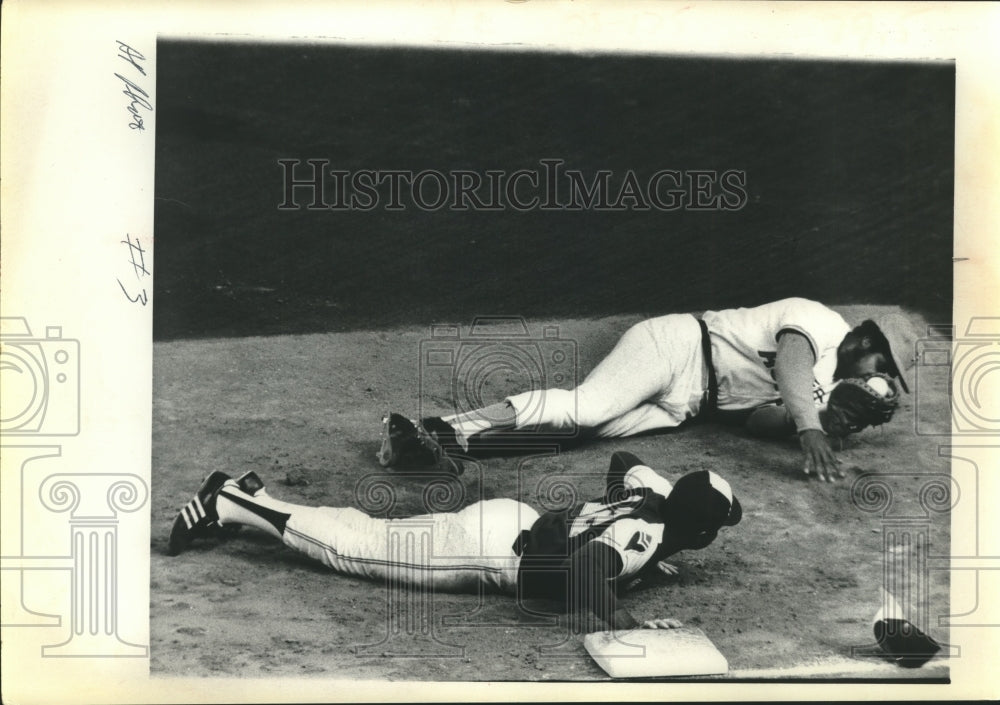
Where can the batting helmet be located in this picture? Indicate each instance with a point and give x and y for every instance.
(700, 504)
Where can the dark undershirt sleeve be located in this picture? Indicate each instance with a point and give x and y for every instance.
(591, 592)
(614, 487)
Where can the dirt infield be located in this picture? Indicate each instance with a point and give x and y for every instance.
(792, 588)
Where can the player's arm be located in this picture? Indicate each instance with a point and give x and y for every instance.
(656, 565)
(771, 421)
(793, 370)
(592, 568)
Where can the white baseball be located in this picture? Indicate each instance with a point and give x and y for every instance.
(879, 385)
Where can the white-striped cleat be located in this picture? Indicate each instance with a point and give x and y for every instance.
(197, 517)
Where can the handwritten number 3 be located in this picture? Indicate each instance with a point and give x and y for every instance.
(141, 298)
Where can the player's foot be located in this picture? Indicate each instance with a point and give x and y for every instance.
(406, 444)
(199, 517)
(908, 646)
(445, 434)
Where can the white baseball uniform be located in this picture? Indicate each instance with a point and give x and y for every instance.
(656, 376)
(452, 551)
(477, 546)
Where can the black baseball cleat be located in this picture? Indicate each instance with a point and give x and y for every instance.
(905, 643)
(199, 518)
(408, 445)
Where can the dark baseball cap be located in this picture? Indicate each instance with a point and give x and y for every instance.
(701, 502)
(893, 336)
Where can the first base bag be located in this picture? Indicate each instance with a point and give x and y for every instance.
(649, 653)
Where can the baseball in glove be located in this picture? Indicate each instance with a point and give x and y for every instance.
(858, 403)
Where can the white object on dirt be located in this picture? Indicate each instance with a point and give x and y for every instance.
(648, 653)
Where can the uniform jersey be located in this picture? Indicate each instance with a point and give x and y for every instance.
(745, 347)
(628, 519)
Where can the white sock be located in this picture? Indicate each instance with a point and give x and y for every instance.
(495, 417)
(460, 434)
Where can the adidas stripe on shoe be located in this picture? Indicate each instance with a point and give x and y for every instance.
(198, 516)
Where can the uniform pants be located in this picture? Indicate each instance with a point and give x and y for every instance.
(450, 551)
(655, 377)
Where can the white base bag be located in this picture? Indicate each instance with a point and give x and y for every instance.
(649, 653)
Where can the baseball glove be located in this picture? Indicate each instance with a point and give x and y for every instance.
(856, 404)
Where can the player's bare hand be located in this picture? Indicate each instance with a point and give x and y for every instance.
(667, 568)
(819, 457)
(663, 623)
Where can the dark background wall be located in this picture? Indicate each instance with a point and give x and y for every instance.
(849, 177)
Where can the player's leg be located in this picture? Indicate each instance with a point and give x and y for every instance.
(629, 375)
(646, 417)
(683, 390)
(657, 360)
(222, 501)
(495, 417)
(316, 531)
(451, 551)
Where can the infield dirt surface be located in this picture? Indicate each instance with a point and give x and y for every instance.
(796, 584)
(282, 335)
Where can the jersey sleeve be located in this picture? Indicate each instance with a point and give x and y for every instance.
(635, 541)
(822, 327)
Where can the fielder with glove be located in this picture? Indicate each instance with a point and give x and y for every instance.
(860, 402)
(773, 367)
(581, 556)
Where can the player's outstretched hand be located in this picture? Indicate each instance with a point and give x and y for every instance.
(820, 460)
(663, 623)
(667, 568)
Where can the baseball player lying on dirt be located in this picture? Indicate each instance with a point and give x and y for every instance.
(579, 556)
(791, 366)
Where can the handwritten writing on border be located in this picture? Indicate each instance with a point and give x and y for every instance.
(137, 258)
(139, 98)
